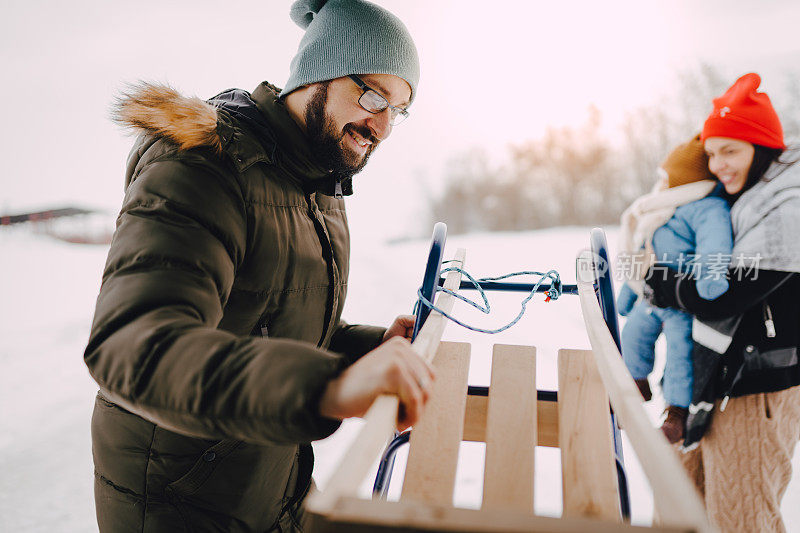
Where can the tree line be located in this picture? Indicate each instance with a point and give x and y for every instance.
(576, 175)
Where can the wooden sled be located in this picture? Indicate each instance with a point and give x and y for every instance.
(512, 420)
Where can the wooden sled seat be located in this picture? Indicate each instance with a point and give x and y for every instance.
(512, 422)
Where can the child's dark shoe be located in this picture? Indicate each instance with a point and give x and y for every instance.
(675, 423)
(644, 388)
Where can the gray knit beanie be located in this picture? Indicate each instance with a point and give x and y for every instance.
(346, 37)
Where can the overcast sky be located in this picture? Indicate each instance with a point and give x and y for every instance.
(492, 74)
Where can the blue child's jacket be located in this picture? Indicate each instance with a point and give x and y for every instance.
(699, 239)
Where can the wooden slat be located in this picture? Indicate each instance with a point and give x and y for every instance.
(589, 478)
(546, 421)
(436, 438)
(381, 418)
(351, 515)
(674, 494)
(511, 430)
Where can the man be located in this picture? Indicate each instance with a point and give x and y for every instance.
(217, 340)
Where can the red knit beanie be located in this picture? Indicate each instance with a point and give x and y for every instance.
(744, 113)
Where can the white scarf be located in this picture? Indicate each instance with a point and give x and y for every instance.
(766, 217)
(644, 216)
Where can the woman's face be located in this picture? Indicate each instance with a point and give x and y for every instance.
(729, 160)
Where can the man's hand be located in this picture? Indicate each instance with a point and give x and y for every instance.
(391, 368)
(403, 326)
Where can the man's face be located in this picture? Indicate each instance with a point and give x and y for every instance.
(343, 133)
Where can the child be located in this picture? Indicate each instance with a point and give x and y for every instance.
(684, 222)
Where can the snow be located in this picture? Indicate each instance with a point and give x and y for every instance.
(46, 394)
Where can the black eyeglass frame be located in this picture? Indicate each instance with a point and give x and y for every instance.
(397, 115)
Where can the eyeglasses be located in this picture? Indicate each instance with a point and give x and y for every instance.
(374, 102)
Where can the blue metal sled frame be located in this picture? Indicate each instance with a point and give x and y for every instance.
(604, 289)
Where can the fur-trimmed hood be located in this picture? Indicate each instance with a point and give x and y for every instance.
(187, 121)
(249, 128)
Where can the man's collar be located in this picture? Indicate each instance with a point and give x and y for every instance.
(290, 138)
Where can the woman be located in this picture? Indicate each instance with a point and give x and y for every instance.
(746, 341)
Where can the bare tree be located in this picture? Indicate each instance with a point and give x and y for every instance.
(572, 175)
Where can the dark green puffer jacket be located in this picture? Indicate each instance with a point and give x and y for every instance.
(218, 323)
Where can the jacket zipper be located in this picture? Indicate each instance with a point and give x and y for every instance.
(327, 255)
(727, 395)
(768, 323)
(734, 381)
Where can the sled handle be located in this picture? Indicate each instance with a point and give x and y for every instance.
(603, 284)
(380, 419)
(673, 493)
(431, 277)
(604, 289)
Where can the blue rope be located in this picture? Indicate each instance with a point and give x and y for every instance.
(552, 293)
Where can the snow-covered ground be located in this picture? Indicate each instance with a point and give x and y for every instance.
(46, 394)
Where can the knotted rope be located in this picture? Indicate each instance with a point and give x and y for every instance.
(552, 293)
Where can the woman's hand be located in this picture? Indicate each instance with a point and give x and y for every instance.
(391, 368)
(403, 326)
(660, 286)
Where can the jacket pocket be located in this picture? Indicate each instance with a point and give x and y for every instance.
(191, 482)
(755, 359)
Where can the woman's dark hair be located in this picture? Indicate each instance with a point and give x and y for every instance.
(763, 157)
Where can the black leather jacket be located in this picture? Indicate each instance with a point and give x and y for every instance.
(762, 309)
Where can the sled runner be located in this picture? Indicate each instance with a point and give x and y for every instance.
(512, 417)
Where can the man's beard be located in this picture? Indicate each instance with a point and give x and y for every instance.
(327, 143)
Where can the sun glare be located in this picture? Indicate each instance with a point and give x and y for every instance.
(518, 71)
